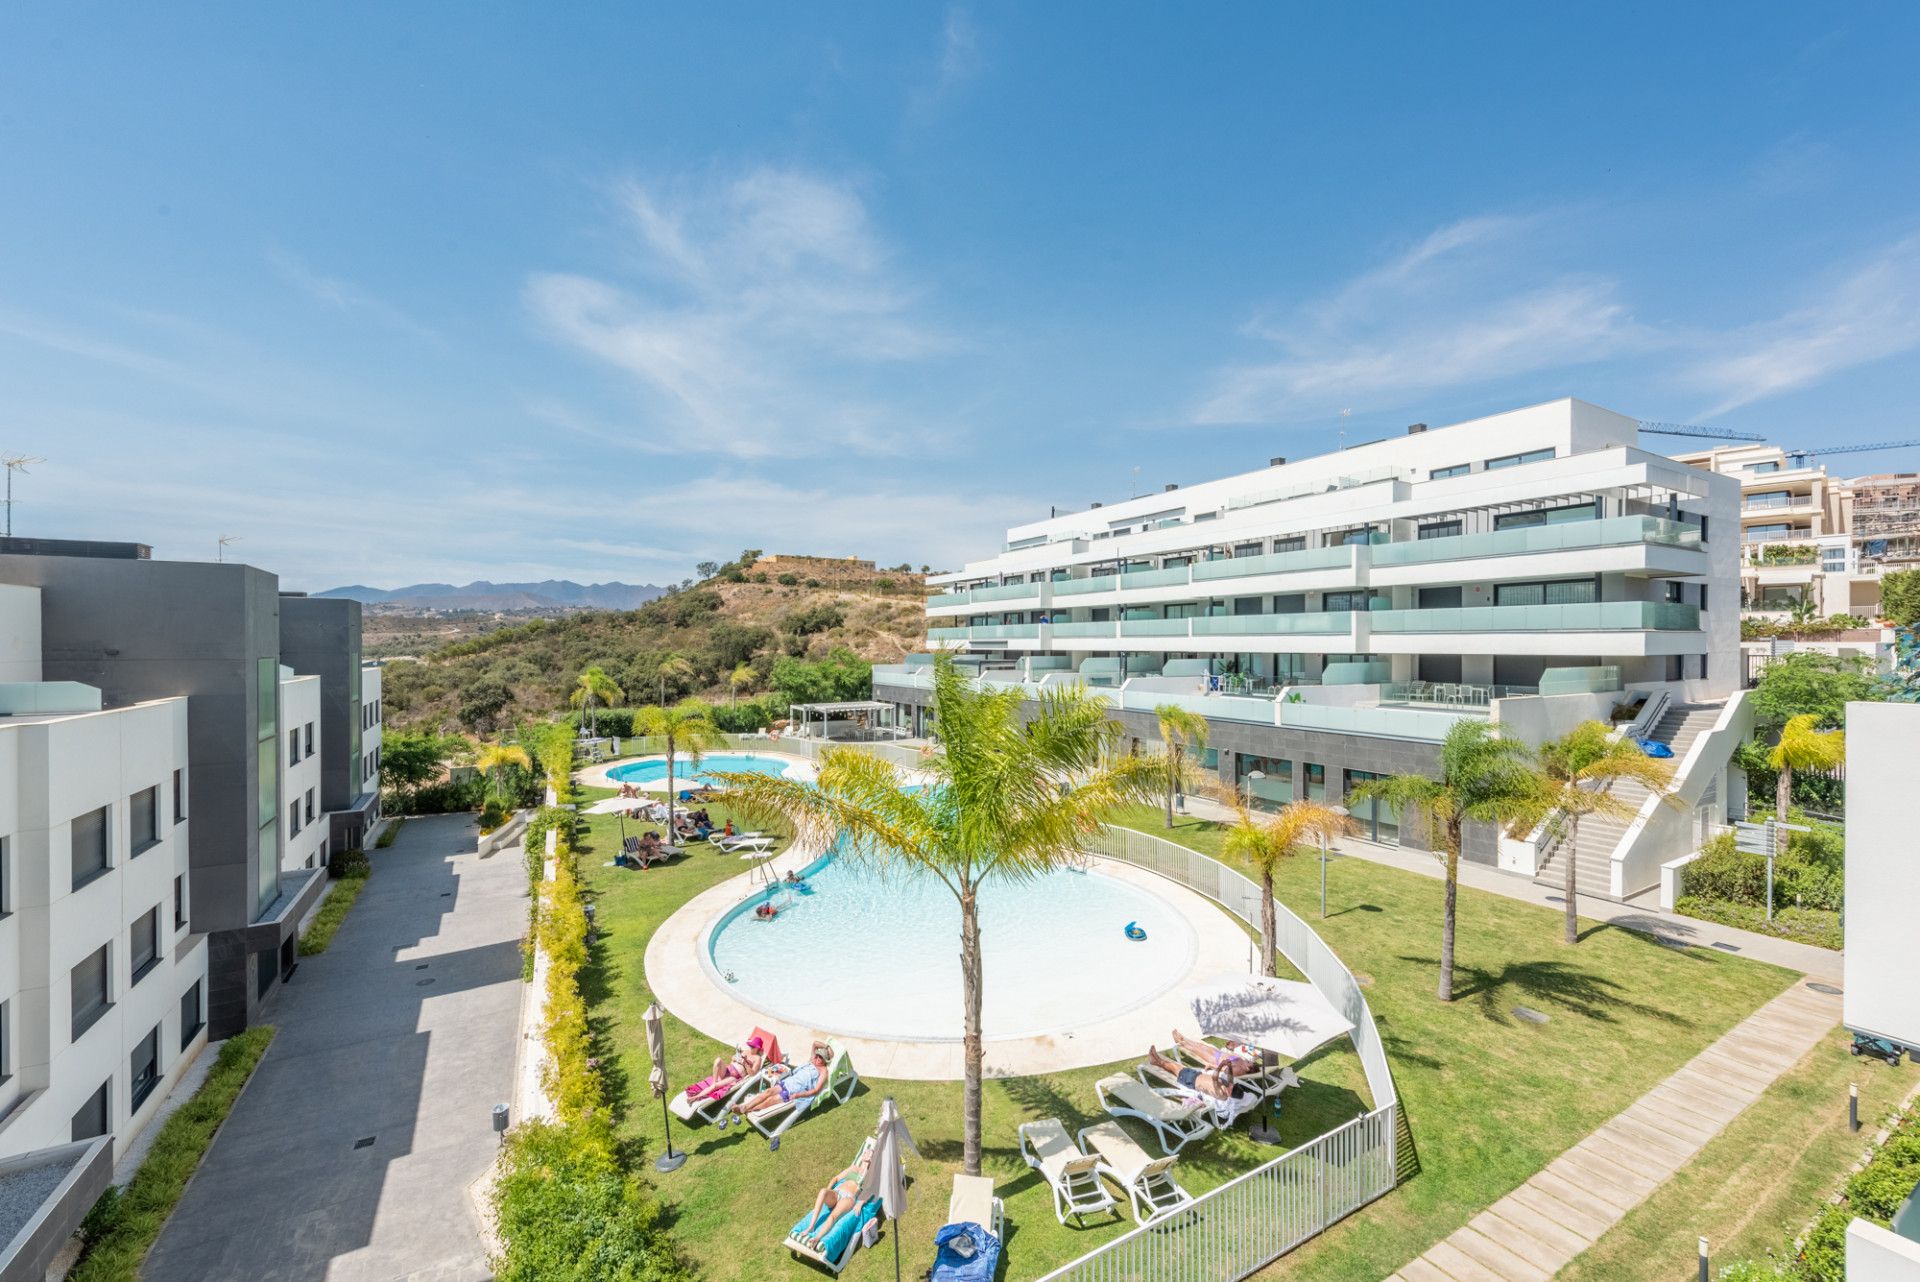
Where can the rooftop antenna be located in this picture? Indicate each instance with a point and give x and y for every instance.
(15, 463)
(225, 539)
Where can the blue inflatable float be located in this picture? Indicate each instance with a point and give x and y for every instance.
(1135, 931)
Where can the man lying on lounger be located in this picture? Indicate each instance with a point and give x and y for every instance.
(1214, 1083)
(1243, 1057)
(803, 1083)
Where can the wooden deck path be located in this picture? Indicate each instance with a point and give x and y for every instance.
(1535, 1231)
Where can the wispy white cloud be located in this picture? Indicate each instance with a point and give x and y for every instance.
(345, 296)
(766, 306)
(1450, 311)
(1872, 312)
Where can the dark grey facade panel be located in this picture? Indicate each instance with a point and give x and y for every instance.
(321, 637)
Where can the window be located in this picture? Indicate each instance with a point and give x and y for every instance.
(309, 738)
(293, 746)
(1546, 516)
(293, 819)
(1564, 592)
(1378, 821)
(190, 1020)
(90, 1119)
(1335, 602)
(143, 809)
(1246, 549)
(1273, 790)
(1298, 543)
(1673, 591)
(1771, 498)
(179, 796)
(180, 902)
(1458, 469)
(89, 982)
(145, 943)
(1440, 530)
(309, 805)
(1515, 460)
(6, 879)
(1761, 533)
(1703, 596)
(1761, 468)
(145, 1066)
(89, 847)
(6, 1040)
(1316, 781)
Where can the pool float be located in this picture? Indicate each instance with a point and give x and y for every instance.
(1135, 932)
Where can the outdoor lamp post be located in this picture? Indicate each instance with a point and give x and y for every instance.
(1343, 812)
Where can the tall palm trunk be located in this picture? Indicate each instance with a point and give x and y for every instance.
(1266, 921)
(669, 790)
(971, 983)
(1173, 782)
(1783, 793)
(1446, 924)
(1573, 890)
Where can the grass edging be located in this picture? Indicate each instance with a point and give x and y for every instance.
(124, 1224)
(350, 872)
(388, 833)
(1816, 926)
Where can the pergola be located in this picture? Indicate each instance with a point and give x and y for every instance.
(854, 719)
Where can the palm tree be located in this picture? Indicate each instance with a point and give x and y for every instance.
(675, 668)
(739, 679)
(1483, 779)
(496, 757)
(1579, 768)
(594, 684)
(688, 727)
(995, 809)
(1260, 842)
(1802, 747)
(1179, 729)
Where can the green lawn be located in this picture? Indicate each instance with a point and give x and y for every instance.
(1490, 1098)
(1760, 1182)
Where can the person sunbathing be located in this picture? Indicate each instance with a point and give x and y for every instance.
(1212, 1083)
(1243, 1057)
(802, 1083)
(729, 1071)
(844, 1191)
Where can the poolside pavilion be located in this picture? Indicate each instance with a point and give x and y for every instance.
(854, 721)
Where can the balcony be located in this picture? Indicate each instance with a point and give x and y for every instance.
(1590, 616)
(1004, 632)
(1103, 628)
(1006, 592)
(1572, 536)
(1236, 625)
(1240, 567)
(1074, 587)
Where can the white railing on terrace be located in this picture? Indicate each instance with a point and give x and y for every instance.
(1235, 1230)
(1369, 477)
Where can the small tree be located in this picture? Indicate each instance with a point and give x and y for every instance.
(687, 727)
(496, 757)
(1179, 730)
(1900, 597)
(595, 686)
(1261, 842)
(1579, 768)
(672, 668)
(1804, 747)
(1484, 779)
(742, 677)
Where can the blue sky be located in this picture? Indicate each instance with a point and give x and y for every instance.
(449, 291)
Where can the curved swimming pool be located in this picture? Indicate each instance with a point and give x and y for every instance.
(654, 769)
(876, 953)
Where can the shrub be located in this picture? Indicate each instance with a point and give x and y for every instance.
(569, 1214)
(352, 862)
(351, 869)
(1817, 926)
(492, 814)
(1900, 597)
(451, 797)
(813, 583)
(787, 580)
(388, 833)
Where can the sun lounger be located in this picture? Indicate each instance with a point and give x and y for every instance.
(1247, 1097)
(1072, 1174)
(1263, 1076)
(1147, 1180)
(1175, 1119)
(774, 1120)
(969, 1245)
(739, 839)
(686, 1108)
(841, 1241)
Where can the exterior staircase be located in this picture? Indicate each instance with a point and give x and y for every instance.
(1600, 836)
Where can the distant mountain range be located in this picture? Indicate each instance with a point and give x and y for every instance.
(550, 594)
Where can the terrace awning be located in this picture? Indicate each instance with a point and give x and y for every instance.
(1285, 1016)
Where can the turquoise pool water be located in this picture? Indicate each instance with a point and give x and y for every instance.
(876, 953)
(655, 768)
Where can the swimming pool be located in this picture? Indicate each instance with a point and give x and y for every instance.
(876, 953)
(654, 769)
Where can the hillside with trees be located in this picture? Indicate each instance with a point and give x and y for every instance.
(747, 641)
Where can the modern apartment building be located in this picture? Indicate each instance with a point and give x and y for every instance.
(103, 975)
(1885, 511)
(321, 637)
(306, 845)
(1333, 616)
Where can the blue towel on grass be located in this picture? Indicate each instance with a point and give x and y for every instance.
(835, 1245)
(1654, 748)
(951, 1266)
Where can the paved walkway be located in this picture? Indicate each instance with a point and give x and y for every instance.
(401, 1035)
(1536, 1230)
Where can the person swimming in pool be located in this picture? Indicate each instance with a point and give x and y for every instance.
(844, 1192)
(803, 1083)
(1214, 1083)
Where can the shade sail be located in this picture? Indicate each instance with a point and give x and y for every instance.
(617, 805)
(1284, 1016)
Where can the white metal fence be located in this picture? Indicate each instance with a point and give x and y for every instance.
(1245, 1224)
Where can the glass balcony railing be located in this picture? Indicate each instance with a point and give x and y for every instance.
(1005, 631)
(1154, 627)
(1007, 592)
(1590, 616)
(946, 634)
(1766, 502)
(1236, 625)
(1571, 536)
(1102, 628)
(1154, 578)
(948, 598)
(1098, 583)
(1273, 563)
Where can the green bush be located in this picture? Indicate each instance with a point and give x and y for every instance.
(788, 580)
(122, 1226)
(1817, 926)
(1811, 874)
(1900, 597)
(352, 862)
(388, 833)
(569, 1214)
(450, 798)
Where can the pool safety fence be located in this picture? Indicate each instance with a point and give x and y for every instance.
(1237, 1229)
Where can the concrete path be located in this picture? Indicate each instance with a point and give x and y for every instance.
(1536, 1230)
(349, 1156)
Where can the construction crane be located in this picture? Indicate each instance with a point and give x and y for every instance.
(1824, 450)
(1688, 429)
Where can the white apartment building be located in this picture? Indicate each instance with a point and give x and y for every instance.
(102, 980)
(1332, 617)
(306, 819)
(1795, 537)
(371, 722)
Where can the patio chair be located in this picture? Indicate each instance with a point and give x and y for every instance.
(709, 1110)
(1147, 1180)
(1176, 1117)
(774, 1120)
(969, 1244)
(844, 1238)
(1072, 1174)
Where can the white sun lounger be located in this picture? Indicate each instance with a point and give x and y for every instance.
(739, 839)
(710, 1110)
(1072, 1174)
(1221, 1113)
(773, 1120)
(1269, 1081)
(1147, 1180)
(1174, 1119)
(973, 1202)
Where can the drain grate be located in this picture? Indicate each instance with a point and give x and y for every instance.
(446, 894)
(422, 966)
(364, 1142)
(1529, 1014)
(421, 983)
(1829, 989)
(1726, 948)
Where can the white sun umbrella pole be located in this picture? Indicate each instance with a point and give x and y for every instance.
(888, 1171)
(656, 1022)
